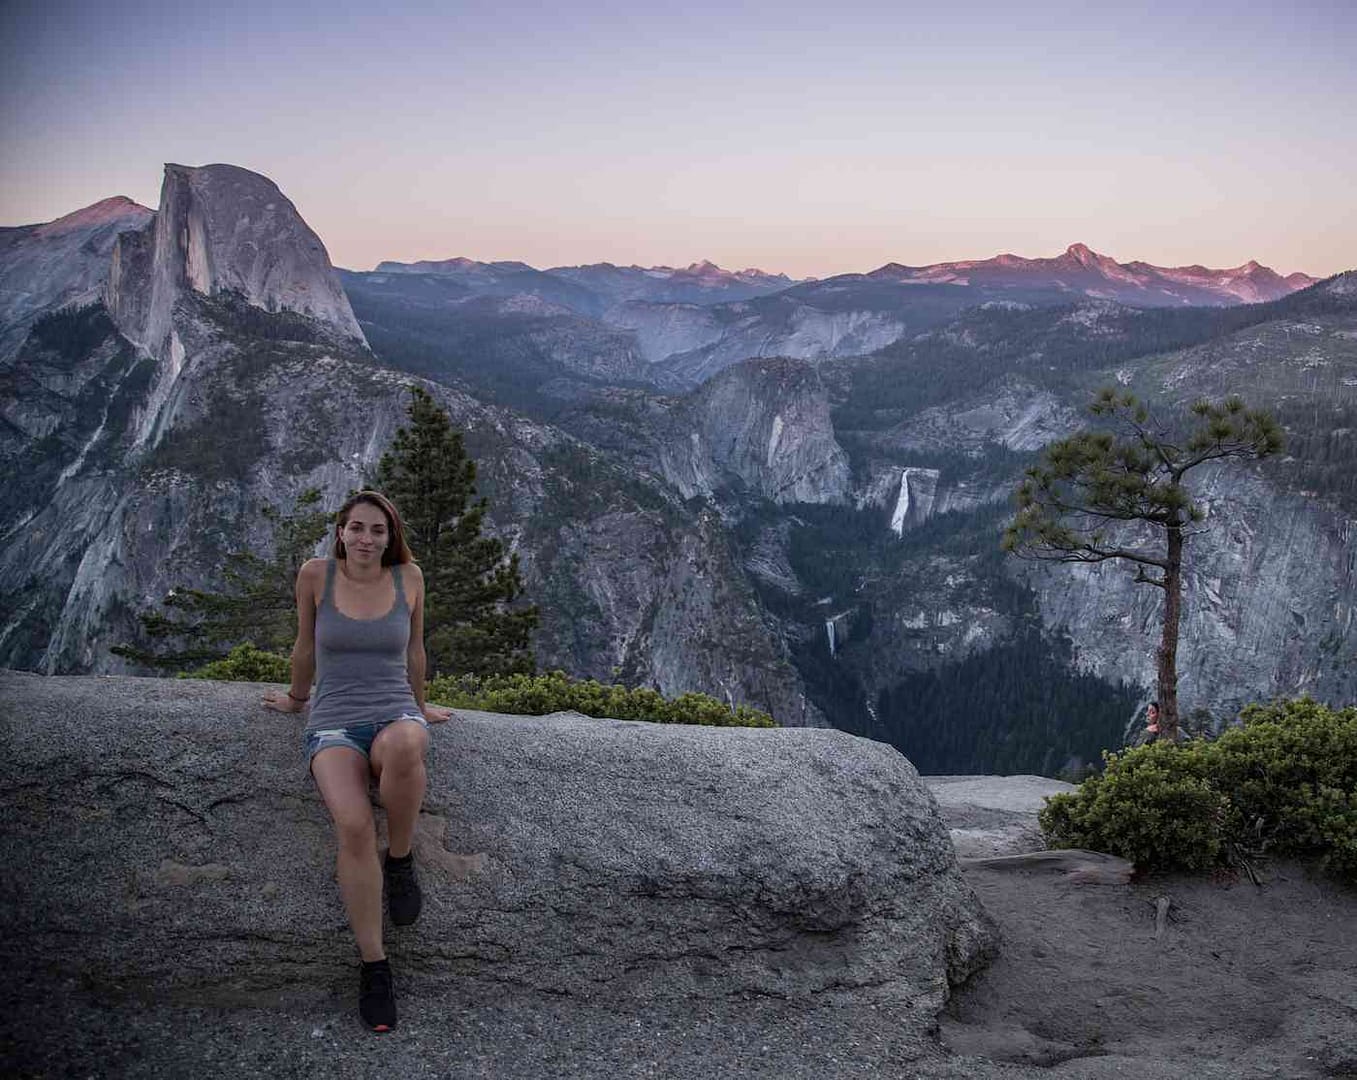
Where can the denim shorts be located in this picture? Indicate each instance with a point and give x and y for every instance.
(356, 736)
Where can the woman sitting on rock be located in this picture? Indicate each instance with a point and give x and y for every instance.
(360, 631)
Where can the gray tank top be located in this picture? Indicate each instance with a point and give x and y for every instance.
(361, 673)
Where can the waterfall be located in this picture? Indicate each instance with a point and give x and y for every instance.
(901, 504)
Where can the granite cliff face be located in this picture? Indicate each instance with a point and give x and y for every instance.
(695, 343)
(1270, 599)
(762, 429)
(59, 264)
(220, 228)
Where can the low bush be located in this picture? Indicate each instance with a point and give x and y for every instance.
(245, 663)
(1291, 772)
(1152, 805)
(1284, 782)
(523, 695)
(536, 695)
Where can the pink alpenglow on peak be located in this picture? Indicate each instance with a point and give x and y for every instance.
(118, 209)
(1085, 271)
(59, 263)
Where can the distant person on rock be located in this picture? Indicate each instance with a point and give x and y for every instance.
(360, 631)
(1152, 722)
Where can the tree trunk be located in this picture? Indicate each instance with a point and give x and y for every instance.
(1168, 644)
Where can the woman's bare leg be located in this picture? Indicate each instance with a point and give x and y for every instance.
(342, 775)
(398, 762)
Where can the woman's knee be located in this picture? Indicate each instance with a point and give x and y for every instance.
(341, 773)
(401, 747)
(356, 831)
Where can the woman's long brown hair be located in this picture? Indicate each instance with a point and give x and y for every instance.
(397, 550)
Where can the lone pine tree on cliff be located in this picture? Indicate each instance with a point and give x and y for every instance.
(1096, 495)
(471, 625)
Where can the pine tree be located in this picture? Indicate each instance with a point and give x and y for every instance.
(256, 606)
(1083, 501)
(471, 623)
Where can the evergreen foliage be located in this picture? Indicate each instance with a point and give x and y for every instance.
(1020, 707)
(73, 332)
(537, 695)
(256, 605)
(1076, 504)
(472, 626)
(1285, 782)
(1321, 450)
(225, 442)
(248, 324)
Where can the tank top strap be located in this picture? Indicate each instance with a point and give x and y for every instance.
(400, 586)
(328, 596)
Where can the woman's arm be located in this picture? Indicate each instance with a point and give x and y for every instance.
(415, 658)
(304, 648)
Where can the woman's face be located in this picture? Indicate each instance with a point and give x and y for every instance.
(365, 534)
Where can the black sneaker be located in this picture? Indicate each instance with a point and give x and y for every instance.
(376, 996)
(403, 898)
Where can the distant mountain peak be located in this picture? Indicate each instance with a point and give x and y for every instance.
(221, 228)
(113, 209)
(1083, 271)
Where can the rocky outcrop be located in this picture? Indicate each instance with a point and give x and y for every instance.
(1014, 413)
(171, 840)
(63, 263)
(220, 228)
(783, 325)
(760, 428)
(994, 816)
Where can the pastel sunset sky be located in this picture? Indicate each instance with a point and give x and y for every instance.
(811, 139)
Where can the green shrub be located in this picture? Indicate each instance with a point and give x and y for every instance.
(1153, 805)
(536, 695)
(1291, 771)
(1285, 782)
(245, 663)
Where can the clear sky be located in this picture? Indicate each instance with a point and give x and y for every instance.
(808, 138)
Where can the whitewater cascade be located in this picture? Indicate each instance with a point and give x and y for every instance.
(901, 504)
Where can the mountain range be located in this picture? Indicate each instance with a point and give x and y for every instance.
(1079, 270)
(781, 493)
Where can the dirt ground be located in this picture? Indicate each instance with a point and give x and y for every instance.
(1238, 980)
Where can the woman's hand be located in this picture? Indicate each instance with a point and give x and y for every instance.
(437, 714)
(282, 702)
